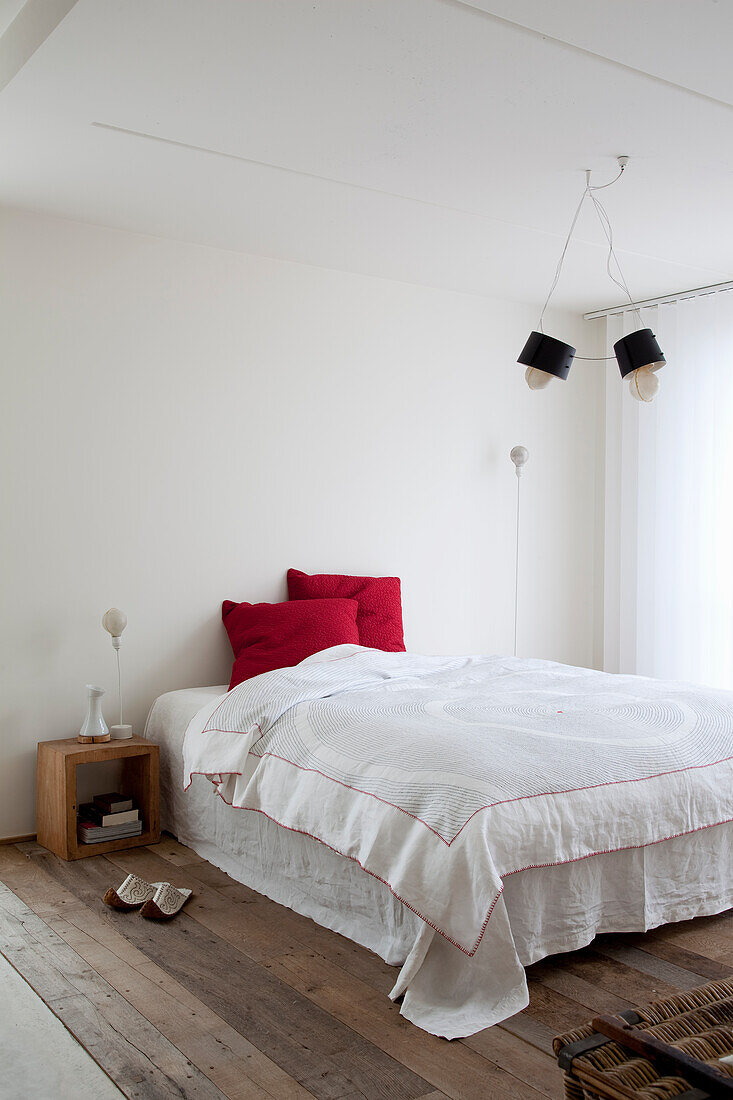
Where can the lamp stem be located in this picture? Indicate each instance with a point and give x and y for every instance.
(516, 568)
(119, 683)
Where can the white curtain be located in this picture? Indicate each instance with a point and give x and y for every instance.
(668, 575)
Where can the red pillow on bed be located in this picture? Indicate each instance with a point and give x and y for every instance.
(380, 603)
(265, 636)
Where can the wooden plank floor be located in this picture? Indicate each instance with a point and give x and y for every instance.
(240, 997)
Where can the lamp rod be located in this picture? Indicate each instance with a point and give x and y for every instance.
(516, 567)
(698, 292)
(119, 682)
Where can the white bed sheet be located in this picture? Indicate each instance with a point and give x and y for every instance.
(548, 910)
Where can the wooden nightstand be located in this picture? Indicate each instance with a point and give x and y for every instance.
(56, 787)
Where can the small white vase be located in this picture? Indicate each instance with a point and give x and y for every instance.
(94, 727)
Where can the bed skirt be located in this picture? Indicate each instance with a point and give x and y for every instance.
(544, 911)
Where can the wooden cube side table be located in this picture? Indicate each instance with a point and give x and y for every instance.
(56, 789)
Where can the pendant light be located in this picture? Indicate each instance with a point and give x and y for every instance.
(545, 358)
(638, 355)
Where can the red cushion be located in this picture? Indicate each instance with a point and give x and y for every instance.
(265, 636)
(380, 603)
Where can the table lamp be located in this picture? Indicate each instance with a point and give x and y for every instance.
(114, 622)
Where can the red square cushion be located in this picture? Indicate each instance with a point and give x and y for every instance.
(380, 603)
(265, 636)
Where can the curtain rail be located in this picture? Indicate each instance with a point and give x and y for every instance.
(715, 288)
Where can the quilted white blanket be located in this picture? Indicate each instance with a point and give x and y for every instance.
(443, 776)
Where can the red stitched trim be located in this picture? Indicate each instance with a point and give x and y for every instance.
(480, 809)
(489, 805)
(216, 711)
(357, 790)
(595, 786)
(506, 874)
(338, 852)
(624, 848)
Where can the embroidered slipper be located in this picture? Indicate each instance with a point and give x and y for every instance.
(134, 892)
(168, 900)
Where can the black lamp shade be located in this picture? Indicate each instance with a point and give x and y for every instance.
(638, 349)
(547, 354)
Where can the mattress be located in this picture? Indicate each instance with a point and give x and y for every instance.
(543, 910)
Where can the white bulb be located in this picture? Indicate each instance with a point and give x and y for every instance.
(644, 384)
(114, 621)
(519, 455)
(537, 379)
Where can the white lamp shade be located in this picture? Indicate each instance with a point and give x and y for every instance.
(114, 621)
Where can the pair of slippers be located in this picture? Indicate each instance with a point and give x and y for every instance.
(155, 900)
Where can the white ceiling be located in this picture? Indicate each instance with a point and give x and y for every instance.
(8, 11)
(437, 141)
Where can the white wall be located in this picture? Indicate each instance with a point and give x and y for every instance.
(181, 424)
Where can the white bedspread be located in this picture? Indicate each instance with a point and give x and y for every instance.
(443, 776)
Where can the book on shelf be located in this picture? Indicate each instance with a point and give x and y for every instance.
(98, 821)
(89, 833)
(113, 803)
(90, 811)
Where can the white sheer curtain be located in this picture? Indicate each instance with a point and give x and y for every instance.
(669, 501)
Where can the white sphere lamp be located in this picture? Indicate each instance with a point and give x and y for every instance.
(114, 622)
(519, 456)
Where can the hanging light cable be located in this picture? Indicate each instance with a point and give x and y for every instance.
(638, 354)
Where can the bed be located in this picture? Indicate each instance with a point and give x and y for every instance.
(462, 817)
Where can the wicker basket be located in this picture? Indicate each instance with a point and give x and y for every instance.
(668, 1049)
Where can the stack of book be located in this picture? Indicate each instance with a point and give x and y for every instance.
(108, 817)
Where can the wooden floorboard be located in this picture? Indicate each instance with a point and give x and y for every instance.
(242, 998)
(128, 1048)
(702, 969)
